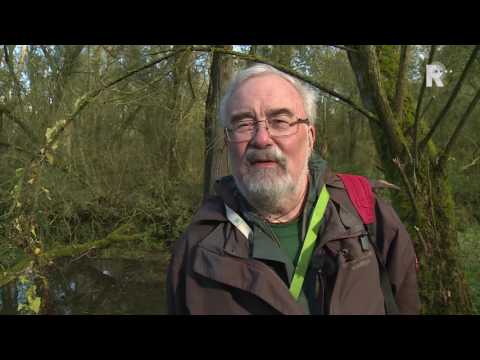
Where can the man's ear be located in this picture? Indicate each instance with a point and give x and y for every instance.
(225, 140)
(312, 135)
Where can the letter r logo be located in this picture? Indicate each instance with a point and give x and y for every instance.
(435, 72)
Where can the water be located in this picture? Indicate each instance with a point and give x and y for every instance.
(97, 286)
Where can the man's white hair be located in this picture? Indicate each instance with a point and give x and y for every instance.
(308, 94)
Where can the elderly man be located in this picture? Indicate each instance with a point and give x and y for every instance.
(284, 235)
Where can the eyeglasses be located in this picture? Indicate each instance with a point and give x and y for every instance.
(244, 130)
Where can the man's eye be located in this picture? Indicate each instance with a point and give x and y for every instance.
(244, 125)
(280, 123)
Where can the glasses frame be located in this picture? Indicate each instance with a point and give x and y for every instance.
(305, 121)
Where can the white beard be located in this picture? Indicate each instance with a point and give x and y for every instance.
(269, 189)
(265, 189)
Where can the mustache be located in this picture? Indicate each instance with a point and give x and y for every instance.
(269, 154)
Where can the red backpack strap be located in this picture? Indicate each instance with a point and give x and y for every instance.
(360, 193)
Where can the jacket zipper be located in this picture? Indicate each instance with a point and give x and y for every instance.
(321, 292)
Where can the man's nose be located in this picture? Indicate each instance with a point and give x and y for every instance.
(261, 138)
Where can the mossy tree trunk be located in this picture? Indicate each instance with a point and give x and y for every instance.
(181, 68)
(216, 164)
(425, 203)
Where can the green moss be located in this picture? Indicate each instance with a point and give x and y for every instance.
(443, 288)
(469, 254)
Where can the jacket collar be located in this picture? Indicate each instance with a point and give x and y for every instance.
(255, 276)
(339, 220)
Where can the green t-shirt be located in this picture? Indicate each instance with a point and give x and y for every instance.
(289, 237)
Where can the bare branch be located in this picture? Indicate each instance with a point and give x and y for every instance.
(83, 101)
(18, 148)
(453, 96)
(128, 121)
(433, 49)
(454, 137)
(468, 166)
(296, 74)
(426, 247)
(408, 186)
(5, 110)
(343, 47)
(430, 102)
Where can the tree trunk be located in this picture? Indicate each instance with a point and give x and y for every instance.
(353, 125)
(425, 203)
(216, 164)
(321, 143)
(180, 68)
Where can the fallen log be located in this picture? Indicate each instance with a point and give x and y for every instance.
(114, 238)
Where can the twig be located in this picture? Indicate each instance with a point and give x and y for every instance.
(4, 109)
(81, 255)
(418, 109)
(453, 96)
(18, 148)
(422, 240)
(473, 163)
(385, 184)
(430, 102)
(461, 124)
(83, 101)
(287, 70)
(396, 161)
(343, 47)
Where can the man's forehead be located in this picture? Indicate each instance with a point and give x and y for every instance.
(269, 84)
(269, 111)
(268, 92)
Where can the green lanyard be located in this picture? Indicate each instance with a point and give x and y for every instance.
(309, 243)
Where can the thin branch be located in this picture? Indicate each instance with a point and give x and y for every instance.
(18, 148)
(401, 81)
(426, 247)
(5, 110)
(128, 121)
(294, 73)
(408, 186)
(468, 166)
(453, 96)
(159, 52)
(53, 65)
(433, 49)
(343, 47)
(458, 129)
(430, 102)
(84, 100)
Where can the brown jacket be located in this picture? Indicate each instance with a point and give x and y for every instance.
(215, 269)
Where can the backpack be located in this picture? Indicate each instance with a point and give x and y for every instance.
(360, 192)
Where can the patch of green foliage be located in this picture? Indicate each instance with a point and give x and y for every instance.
(470, 253)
